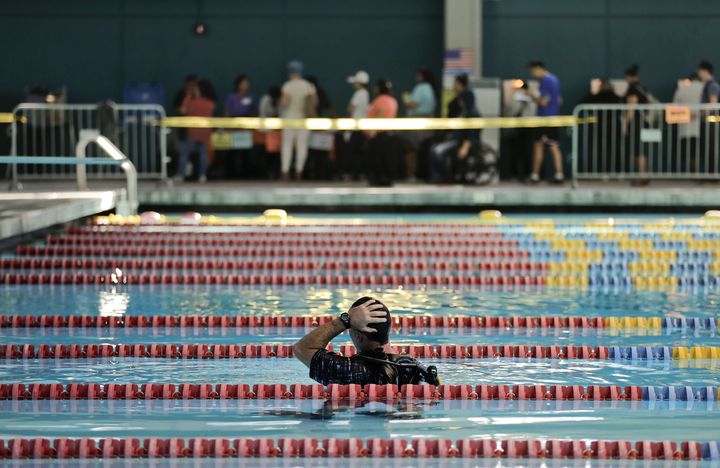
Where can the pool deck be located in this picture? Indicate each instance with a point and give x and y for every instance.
(612, 196)
(31, 211)
(48, 203)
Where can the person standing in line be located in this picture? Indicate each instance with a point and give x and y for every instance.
(180, 134)
(422, 102)
(635, 121)
(321, 157)
(270, 108)
(298, 101)
(200, 102)
(383, 147)
(323, 106)
(599, 139)
(191, 81)
(354, 154)
(711, 87)
(239, 103)
(270, 103)
(708, 138)
(548, 104)
(461, 157)
(688, 93)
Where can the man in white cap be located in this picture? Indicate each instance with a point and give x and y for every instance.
(354, 160)
(360, 100)
(298, 101)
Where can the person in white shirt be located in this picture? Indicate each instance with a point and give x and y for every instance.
(354, 155)
(360, 101)
(298, 98)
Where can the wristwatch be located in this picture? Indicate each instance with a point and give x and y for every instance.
(345, 319)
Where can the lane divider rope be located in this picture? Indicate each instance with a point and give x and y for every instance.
(398, 321)
(389, 230)
(222, 351)
(107, 448)
(328, 241)
(196, 264)
(186, 391)
(272, 251)
(273, 279)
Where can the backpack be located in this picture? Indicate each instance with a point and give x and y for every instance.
(408, 368)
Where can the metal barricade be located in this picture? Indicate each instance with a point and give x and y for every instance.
(54, 129)
(646, 142)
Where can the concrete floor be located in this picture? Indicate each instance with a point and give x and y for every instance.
(47, 203)
(24, 212)
(665, 195)
(661, 194)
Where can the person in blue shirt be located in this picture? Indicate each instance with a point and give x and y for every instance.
(240, 103)
(548, 104)
(422, 102)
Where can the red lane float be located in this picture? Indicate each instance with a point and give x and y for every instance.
(329, 240)
(390, 230)
(185, 391)
(280, 251)
(251, 266)
(223, 351)
(273, 279)
(226, 321)
(107, 448)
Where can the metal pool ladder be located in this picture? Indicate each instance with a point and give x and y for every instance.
(128, 203)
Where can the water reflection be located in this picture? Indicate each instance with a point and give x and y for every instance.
(232, 300)
(401, 337)
(694, 372)
(112, 303)
(322, 419)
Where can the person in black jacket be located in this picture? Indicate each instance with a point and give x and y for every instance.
(462, 158)
(634, 121)
(368, 323)
(600, 138)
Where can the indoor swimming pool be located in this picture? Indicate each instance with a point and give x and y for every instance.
(567, 339)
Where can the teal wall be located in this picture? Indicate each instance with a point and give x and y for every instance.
(96, 46)
(584, 39)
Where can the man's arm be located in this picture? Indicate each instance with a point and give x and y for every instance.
(539, 99)
(360, 317)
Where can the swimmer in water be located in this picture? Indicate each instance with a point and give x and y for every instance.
(368, 322)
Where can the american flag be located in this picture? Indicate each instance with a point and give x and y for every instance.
(460, 59)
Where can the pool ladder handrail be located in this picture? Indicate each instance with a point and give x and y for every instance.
(128, 203)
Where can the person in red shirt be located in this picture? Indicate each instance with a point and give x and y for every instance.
(383, 147)
(384, 106)
(200, 102)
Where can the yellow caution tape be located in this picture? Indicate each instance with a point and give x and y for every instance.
(9, 117)
(256, 123)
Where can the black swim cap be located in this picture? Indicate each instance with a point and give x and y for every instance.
(382, 335)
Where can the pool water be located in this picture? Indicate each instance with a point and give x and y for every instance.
(406, 419)
(343, 419)
(292, 301)
(696, 372)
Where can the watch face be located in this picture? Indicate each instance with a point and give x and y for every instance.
(345, 318)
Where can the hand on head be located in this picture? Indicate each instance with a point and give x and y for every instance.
(366, 313)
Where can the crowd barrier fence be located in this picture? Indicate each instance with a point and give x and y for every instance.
(676, 141)
(40, 129)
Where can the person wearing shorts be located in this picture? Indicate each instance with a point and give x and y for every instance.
(548, 102)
